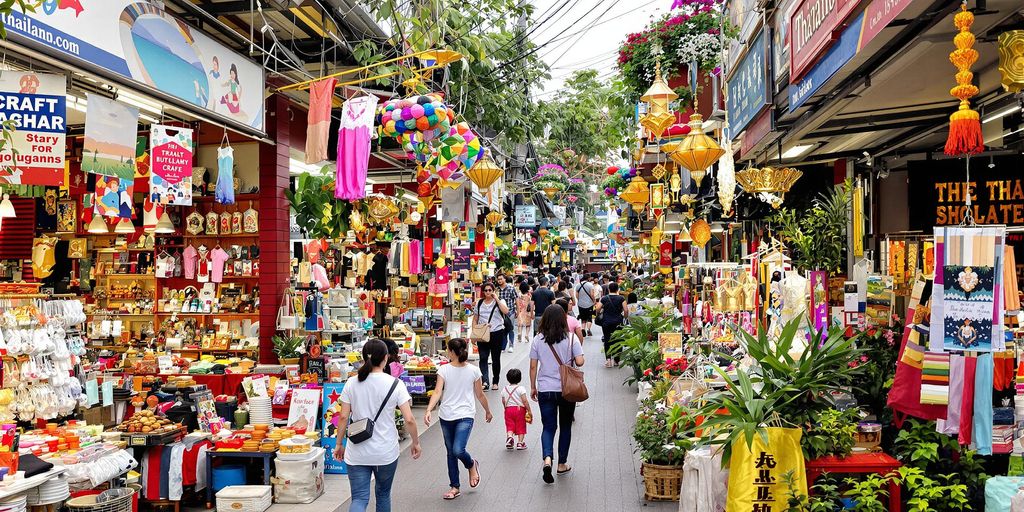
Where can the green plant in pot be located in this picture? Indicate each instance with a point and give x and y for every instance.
(317, 211)
(636, 344)
(832, 433)
(288, 348)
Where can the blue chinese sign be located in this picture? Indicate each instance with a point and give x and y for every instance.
(748, 88)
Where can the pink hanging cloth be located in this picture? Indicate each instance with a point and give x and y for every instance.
(354, 147)
(318, 123)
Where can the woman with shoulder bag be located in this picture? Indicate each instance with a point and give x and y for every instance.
(553, 347)
(372, 451)
(491, 312)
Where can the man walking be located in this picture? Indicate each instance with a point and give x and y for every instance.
(586, 297)
(542, 298)
(507, 293)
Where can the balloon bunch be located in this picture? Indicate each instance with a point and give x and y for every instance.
(617, 179)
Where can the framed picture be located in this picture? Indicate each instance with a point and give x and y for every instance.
(658, 198)
(67, 217)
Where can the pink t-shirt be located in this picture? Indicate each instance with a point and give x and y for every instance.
(217, 258)
(188, 260)
(573, 324)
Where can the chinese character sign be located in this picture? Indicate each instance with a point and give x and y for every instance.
(756, 482)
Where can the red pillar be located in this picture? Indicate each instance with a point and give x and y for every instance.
(274, 235)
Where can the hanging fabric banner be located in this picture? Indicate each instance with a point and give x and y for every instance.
(170, 156)
(114, 196)
(756, 471)
(109, 147)
(36, 105)
(967, 304)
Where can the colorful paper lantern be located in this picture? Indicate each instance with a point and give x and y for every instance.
(965, 136)
(484, 173)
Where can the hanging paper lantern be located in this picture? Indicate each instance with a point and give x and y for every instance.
(965, 136)
(726, 178)
(426, 116)
(700, 232)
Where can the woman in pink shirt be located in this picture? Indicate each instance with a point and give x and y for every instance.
(575, 326)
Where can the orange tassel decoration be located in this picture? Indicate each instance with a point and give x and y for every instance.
(965, 124)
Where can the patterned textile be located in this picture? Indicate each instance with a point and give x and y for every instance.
(935, 378)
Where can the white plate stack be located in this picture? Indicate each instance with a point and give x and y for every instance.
(260, 412)
(54, 490)
(15, 503)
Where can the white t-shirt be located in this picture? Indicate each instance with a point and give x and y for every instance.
(365, 398)
(514, 395)
(490, 313)
(459, 398)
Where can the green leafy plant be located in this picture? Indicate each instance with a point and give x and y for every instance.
(636, 344)
(317, 211)
(658, 433)
(918, 445)
(831, 433)
(287, 347)
(878, 369)
(818, 236)
(507, 259)
(940, 493)
(870, 493)
(826, 496)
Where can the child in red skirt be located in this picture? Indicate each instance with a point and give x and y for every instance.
(517, 410)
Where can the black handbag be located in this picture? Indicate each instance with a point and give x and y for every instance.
(359, 431)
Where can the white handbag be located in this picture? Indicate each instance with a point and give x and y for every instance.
(286, 319)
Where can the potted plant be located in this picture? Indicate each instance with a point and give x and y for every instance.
(288, 348)
(552, 179)
(317, 211)
(661, 441)
(636, 344)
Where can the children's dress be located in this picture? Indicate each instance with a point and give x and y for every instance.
(225, 192)
(354, 147)
(319, 119)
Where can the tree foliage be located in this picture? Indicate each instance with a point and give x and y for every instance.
(587, 116)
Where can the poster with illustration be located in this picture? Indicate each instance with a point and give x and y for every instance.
(304, 410)
(36, 105)
(967, 303)
(332, 408)
(109, 146)
(170, 160)
(114, 196)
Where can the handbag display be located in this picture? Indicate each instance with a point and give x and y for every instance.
(573, 387)
(359, 431)
(286, 319)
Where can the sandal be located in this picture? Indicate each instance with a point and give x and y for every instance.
(520, 446)
(548, 477)
(494, 387)
(451, 495)
(476, 466)
(509, 443)
(567, 469)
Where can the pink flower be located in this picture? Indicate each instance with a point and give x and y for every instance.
(863, 359)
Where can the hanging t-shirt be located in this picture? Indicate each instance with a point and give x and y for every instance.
(354, 147)
(318, 121)
(217, 259)
(203, 266)
(378, 274)
(188, 260)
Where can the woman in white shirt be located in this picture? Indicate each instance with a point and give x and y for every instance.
(491, 310)
(374, 395)
(458, 383)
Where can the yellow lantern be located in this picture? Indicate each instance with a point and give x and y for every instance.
(697, 152)
(484, 173)
(700, 232)
(495, 217)
(656, 234)
(550, 192)
(1011, 60)
(637, 194)
(658, 118)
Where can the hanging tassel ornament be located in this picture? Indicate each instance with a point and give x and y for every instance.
(965, 124)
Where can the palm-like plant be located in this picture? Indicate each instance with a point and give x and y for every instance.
(636, 344)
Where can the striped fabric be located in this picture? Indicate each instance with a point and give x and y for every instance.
(935, 378)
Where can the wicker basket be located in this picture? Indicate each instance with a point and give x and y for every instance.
(661, 483)
(88, 504)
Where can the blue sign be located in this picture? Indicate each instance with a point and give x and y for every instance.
(836, 57)
(748, 88)
(332, 407)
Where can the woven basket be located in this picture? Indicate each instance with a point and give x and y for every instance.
(661, 483)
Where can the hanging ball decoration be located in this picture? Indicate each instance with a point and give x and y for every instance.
(424, 117)
(612, 170)
(700, 232)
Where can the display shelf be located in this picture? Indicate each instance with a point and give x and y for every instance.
(120, 314)
(127, 276)
(233, 235)
(238, 199)
(216, 350)
(219, 315)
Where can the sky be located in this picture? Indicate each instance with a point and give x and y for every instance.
(602, 26)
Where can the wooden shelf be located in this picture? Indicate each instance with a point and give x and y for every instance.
(233, 235)
(222, 315)
(128, 276)
(212, 350)
(120, 314)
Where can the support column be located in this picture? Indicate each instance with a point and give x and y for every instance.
(274, 234)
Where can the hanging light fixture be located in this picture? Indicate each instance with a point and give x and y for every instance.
(494, 217)
(1011, 60)
(124, 226)
(726, 179)
(484, 173)
(770, 181)
(700, 232)
(637, 194)
(697, 151)
(658, 96)
(98, 226)
(7, 207)
(164, 226)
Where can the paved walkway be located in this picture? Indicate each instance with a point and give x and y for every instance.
(605, 474)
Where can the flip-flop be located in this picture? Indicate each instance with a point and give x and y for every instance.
(548, 477)
(476, 464)
(451, 495)
(562, 472)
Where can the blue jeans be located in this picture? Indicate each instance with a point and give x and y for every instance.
(555, 414)
(359, 481)
(456, 435)
(510, 339)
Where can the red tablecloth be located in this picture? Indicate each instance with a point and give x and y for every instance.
(879, 463)
(226, 384)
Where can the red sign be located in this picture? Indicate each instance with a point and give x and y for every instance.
(665, 254)
(812, 28)
(878, 15)
(756, 131)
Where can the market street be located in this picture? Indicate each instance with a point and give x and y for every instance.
(604, 475)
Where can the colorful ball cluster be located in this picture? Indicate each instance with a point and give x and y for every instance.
(416, 119)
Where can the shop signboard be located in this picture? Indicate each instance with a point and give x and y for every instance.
(745, 15)
(332, 409)
(138, 40)
(304, 408)
(757, 131)
(526, 216)
(939, 191)
(856, 36)
(748, 89)
(780, 39)
(35, 104)
(812, 26)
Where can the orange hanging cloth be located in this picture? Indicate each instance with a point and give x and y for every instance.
(965, 124)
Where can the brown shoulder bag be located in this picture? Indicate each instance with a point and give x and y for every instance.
(573, 387)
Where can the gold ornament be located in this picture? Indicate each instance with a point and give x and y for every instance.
(494, 217)
(700, 232)
(768, 180)
(484, 173)
(697, 151)
(551, 191)
(659, 172)
(381, 209)
(658, 96)
(637, 194)
(1011, 60)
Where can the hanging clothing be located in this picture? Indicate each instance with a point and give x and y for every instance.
(225, 192)
(321, 95)
(982, 419)
(415, 257)
(313, 312)
(354, 147)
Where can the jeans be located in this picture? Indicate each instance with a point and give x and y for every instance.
(491, 351)
(359, 481)
(456, 435)
(606, 336)
(555, 414)
(510, 338)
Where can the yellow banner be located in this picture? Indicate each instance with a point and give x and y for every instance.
(756, 472)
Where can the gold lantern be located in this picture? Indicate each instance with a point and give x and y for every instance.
(656, 234)
(768, 180)
(1011, 59)
(637, 194)
(697, 152)
(658, 118)
(550, 191)
(484, 173)
(495, 217)
(700, 232)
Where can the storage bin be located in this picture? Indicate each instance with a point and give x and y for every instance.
(299, 480)
(244, 498)
(225, 476)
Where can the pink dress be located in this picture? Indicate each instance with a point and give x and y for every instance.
(319, 120)
(354, 147)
